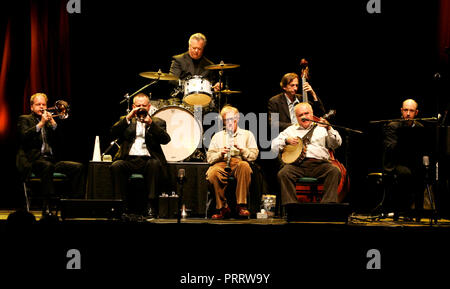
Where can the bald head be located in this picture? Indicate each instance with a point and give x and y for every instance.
(409, 109)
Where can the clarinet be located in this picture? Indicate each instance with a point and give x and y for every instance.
(230, 140)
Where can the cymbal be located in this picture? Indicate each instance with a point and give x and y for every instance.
(227, 91)
(221, 66)
(158, 75)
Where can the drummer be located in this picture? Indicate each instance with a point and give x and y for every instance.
(193, 62)
(316, 163)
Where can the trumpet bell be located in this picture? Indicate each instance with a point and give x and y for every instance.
(60, 109)
(141, 114)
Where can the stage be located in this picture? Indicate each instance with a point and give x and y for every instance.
(170, 253)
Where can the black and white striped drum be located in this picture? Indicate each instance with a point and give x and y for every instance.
(184, 130)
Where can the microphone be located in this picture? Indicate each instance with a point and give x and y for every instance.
(181, 176)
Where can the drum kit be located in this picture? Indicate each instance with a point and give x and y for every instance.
(185, 131)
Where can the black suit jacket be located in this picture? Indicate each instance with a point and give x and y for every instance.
(183, 67)
(155, 136)
(30, 141)
(278, 104)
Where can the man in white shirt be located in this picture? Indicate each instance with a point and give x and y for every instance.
(231, 149)
(317, 159)
(140, 152)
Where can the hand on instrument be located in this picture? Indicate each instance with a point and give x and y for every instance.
(131, 114)
(324, 121)
(217, 87)
(238, 148)
(46, 117)
(307, 87)
(224, 151)
(148, 120)
(292, 140)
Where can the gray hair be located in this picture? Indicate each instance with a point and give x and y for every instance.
(198, 37)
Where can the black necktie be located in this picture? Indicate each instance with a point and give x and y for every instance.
(46, 150)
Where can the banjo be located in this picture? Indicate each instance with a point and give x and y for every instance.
(297, 153)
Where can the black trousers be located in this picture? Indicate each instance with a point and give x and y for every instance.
(150, 168)
(44, 169)
(407, 187)
(320, 169)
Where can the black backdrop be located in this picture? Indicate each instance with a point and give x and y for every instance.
(363, 65)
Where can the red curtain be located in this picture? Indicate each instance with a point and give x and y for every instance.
(49, 70)
(4, 108)
(444, 31)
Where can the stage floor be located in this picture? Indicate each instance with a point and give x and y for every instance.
(286, 252)
(354, 219)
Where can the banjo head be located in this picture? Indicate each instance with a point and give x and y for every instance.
(292, 152)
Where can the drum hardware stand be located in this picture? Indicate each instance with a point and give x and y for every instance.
(127, 97)
(220, 85)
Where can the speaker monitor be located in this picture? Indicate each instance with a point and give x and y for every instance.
(91, 208)
(318, 212)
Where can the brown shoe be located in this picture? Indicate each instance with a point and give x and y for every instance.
(243, 211)
(224, 213)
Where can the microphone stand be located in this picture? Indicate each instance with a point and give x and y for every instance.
(181, 179)
(347, 140)
(114, 142)
(337, 126)
(404, 120)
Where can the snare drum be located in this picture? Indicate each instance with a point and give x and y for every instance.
(197, 91)
(184, 130)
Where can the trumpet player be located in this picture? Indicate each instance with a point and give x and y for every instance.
(229, 154)
(39, 134)
(141, 136)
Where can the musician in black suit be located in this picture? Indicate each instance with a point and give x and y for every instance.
(140, 151)
(39, 132)
(404, 148)
(284, 103)
(193, 61)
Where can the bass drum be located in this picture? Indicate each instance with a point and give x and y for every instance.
(184, 130)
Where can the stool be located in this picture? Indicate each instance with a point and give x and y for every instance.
(136, 195)
(308, 190)
(57, 177)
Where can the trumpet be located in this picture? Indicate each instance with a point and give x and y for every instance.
(141, 114)
(60, 109)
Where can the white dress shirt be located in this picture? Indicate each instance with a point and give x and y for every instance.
(291, 105)
(139, 147)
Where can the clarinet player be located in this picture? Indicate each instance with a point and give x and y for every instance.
(231, 152)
